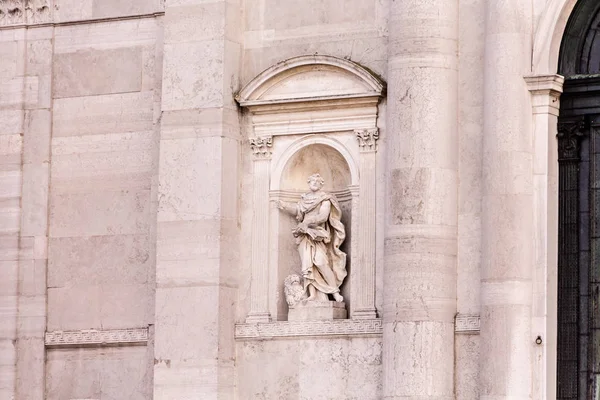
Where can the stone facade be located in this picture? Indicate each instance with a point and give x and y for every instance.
(145, 142)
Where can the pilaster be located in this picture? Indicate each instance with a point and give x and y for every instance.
(508, 206)
(545, 94)
(259, 296)
(198, 224)
(364, 304)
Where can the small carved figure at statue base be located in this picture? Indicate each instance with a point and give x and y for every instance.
(319, 234)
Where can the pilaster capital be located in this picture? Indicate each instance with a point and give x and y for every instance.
(569, 137)
(367, 139)
(261, 147)
(546, 91)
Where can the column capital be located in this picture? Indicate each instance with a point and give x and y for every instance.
(261, 147)
(367, 139)
(569, 137)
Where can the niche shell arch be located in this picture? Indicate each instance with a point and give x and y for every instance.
(305, 142)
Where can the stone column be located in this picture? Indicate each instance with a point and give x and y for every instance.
(419, 301)
(508, 205)
(197, 229)
(545, 91)
(364, 305)
(259, 291)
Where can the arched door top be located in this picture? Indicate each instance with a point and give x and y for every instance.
(580, 46)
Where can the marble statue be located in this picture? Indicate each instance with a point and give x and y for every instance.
(319, 234)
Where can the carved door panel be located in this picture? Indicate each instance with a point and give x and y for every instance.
(579, 258)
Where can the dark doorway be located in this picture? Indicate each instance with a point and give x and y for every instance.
(579, 207)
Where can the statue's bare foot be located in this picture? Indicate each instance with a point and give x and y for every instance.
(338, 297)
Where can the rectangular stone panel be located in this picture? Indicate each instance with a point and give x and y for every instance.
(103, 114)
(105, 373)
(99, 260)
(118, 8)
(100, 213)
(110, 306)
(94, 71)
(276, 15)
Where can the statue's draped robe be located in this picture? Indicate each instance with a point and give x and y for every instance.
(323, 263)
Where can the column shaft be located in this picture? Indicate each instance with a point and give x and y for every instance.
(421, 213)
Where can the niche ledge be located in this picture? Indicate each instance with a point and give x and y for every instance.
(286, 329)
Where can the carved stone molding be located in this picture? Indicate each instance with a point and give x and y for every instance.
(13, 12)
(467, 324)
(569, 136)
(261, 147)
(367, 139)
(96, 337)
(342, 327)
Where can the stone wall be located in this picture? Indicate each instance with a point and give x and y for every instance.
(126, 200)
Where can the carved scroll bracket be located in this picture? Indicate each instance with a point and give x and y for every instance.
(261, 147)
(569, 136)
(367, 139)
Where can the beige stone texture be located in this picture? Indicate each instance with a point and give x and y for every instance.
(109, 373)
(128, 194)
(311, 369)
(93, 72)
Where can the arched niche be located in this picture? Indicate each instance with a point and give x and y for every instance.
(312, 114)
(307, 160)
(316, 158)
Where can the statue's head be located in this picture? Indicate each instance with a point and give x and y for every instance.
(315, 182)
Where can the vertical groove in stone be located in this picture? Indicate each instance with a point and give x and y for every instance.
(259, 307)
(422, 194)
(507, 262)
(366, 253)
(569, 361)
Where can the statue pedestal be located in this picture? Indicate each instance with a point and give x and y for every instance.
(317, 310)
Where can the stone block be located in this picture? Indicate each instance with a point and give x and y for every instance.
(103, 114)
(8, 315)
(39, 57)
(345, 368)
(317, 310)
(101, 260)
(72, 10)
(107, 373)
(89, 72)
(34, 201)
(10, 273)
(116, 306)
(37, 136)
(119, 8)
(100, 213)
(190, 177)
(193, 75)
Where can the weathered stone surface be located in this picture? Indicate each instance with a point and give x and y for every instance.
(93, 72)
(131, 199)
